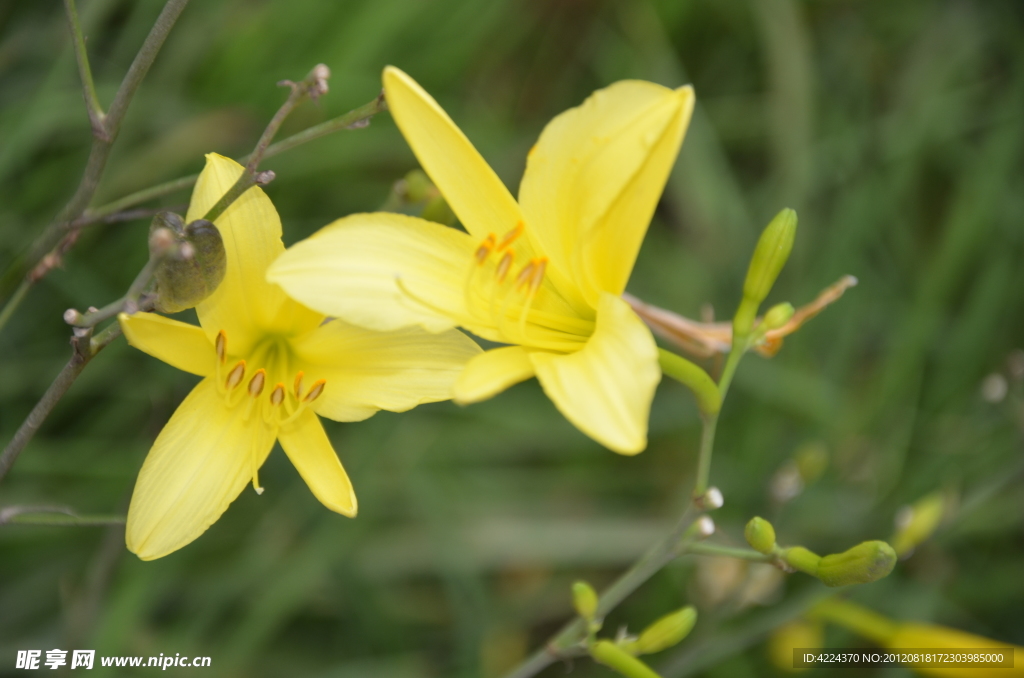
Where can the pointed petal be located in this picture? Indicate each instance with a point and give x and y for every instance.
(200, 462)
(595, 176)
(351, 269)
(176, 343)
(368, 371)
(606, 388)
(492, 372)
(472, 189)
(245, 305)
(306, 444)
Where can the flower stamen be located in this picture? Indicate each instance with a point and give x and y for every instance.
(298, 384)
(222, 346)
(235, 376)
(277, 395)
(315, 391)
(257, 382)
(511, 237)
(484, 250)
(504, 265)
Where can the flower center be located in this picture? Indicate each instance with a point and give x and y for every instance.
(275, 407)
(491, 290)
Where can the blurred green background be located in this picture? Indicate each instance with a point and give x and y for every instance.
(894, 127)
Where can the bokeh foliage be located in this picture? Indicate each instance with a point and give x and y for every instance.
(894, 128)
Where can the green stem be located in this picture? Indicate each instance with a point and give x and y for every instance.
(54, 516)
(709, 400)
(92, 102)
(704, 549)
(13, 302)
(707, 446)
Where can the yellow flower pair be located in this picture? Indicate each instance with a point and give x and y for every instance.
(543, 275)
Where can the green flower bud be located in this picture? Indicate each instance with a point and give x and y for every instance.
(192, 269)
(584, 598)
(777, 316)
(916, 523)
(418, 186)
(801, 559)
(437, 210)
(863, 564)
(760, 535)
(770, 256)
(608, 653)
(667, 631)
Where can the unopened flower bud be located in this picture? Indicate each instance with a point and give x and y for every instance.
(711, 499)
(777, 316)
(864, 563)
(760, 535)
(418, 187)
(770, 255)
(191, 271)
(802, 559)
(666, 632)
(916, 523)
(584, 599)
(608, 653)
(703, 527)
(72, 316)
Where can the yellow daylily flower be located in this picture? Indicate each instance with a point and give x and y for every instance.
(269, 367)
(544, 274)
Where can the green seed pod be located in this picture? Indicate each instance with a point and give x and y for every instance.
(760, 535)
(666, 632)
(584, 598)
(777, 316)
(191, 270)
(770, 256)
(866, 562)
(801, 559)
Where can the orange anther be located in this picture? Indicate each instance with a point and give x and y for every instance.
(511, 236)
(484, 250)
(525, 275)
(257, 382)
(504, 265)
(235, 375)
(540, 265)
(315, 392)
(222, 346)
(298, 384)
(277, 395)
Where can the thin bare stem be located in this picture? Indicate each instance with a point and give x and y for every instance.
(13, 302)
(55, 516)
(46, 252)
(705, 549)
(92, 102)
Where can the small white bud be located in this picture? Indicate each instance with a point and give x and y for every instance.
(705, 527)
(713, 498)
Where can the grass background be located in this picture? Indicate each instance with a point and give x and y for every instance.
(893, 127)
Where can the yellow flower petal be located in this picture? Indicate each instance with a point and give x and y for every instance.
(472, 189)
(351, 269)
(306, 444)
(368, 371)
(245, 305)
(199, 463)
(176, 343)
(606, 388)
(492, 372)
(594, 178)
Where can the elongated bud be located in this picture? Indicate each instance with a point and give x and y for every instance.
(916, 523)
(866, 562)
(438, 211)
(801, 559)
(777, 316)
(192, 269)
(667, 631)
(611, 655)
(770, 256)
(760, 535)
(584, 599)
(418, 187)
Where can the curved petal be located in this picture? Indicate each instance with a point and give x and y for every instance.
(472, 189)
(594, 178)
(306, 444)
(245, 305)
(176, 343)
(606, 388)
(382, 271)
(367, 370)
(492, 372)
(200, 462)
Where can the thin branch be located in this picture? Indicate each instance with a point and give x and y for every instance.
(45, 254)
(705, 549)
(92, 102)
(54, 516)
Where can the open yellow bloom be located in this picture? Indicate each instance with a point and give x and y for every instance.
(544, 274)
(270, 366)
